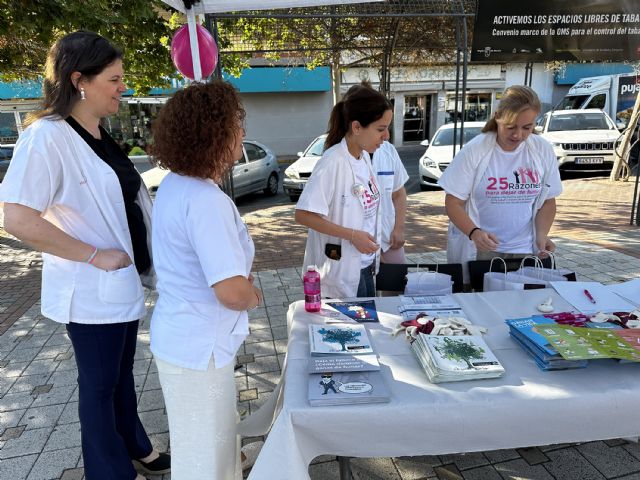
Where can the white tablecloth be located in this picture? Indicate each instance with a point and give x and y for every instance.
(526, 407)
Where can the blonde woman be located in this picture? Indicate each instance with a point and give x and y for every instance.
(501, 187)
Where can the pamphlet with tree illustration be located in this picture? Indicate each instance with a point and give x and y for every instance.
(578, 343)
(339, 339)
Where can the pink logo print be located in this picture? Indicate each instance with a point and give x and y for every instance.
(533, 176)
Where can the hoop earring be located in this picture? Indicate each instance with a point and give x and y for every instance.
(82, 94)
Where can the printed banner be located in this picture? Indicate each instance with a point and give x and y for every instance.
(598, 30)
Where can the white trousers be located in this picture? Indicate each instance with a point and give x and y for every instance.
(201, 407)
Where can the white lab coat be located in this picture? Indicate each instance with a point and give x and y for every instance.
(329, 193)
(391, 176)
(54, 171)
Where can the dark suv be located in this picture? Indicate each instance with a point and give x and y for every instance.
(6, 152)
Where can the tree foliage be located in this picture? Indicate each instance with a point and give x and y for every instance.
(459, 351)
(344, 41)
(141, 28)
(339, 335)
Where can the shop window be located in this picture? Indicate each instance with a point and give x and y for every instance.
(477, 108)
(415, 122)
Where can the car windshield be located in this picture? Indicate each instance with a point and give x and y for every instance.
(445, 136)
(571, 102)
(316, 148)
(585, 121)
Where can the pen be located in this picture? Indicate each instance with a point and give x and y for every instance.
(589, 296)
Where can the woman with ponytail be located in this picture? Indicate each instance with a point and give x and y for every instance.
(340, 203)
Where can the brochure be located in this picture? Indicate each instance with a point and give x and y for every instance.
(347, 388)
(360, 311)
(578, 343)
(433, 305)
(455, 358)
(343, 363)
(339, 339)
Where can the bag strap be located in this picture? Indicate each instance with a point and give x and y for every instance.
(537, 263)
(503, 263)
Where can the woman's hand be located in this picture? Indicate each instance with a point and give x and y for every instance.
(485, 241)
(258, 295)
(364, 242)
(397, 239)
(545, 244)
(111, 259)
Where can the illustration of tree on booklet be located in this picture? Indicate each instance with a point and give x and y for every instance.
(340, 339)
(360, 311)
(577, 343)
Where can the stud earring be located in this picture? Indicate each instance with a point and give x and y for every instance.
(82, 94)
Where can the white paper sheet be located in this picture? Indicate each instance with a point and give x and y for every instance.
(628, 290)
(605, 299)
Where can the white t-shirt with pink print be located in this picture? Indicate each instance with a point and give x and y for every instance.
(505, 194)
(505, 197)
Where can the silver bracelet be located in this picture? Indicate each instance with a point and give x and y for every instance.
(92, 256)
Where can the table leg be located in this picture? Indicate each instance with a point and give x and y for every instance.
(344, 464)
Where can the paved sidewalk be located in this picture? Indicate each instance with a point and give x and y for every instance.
(39, 429)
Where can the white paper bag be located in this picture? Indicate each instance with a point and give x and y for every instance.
(499, 281)
(428, 283)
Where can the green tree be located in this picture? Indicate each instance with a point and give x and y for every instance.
(339, 335)
(459, 351)
(141, 28)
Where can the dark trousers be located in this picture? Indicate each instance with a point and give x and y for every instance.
(111, 431)
(366, 287)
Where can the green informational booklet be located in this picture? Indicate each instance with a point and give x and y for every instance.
(576, 343)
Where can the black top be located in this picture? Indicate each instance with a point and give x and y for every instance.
(109, 151)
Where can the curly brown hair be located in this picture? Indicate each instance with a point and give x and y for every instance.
(196, 130)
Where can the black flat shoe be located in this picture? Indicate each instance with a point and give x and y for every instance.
(159, 466)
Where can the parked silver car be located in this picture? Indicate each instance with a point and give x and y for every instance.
(256, 171)
(6, 153)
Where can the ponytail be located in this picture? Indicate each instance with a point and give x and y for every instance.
(361, 103)
(337, 127)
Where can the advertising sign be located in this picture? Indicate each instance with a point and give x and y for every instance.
(569, 30)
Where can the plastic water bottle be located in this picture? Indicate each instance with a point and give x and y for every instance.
(311, 282)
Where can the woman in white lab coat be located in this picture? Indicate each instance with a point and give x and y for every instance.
(341, 201)
(71, 193)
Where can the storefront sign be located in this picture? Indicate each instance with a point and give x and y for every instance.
(598, 30)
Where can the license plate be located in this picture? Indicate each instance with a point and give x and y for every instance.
(589, 160)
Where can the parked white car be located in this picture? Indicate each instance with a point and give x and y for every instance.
(583, 139)
(440, 152)
(297, 174)
(256, 171)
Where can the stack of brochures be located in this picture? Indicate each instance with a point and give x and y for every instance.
(455, 358)
(525, 332)
(343, 367)
(579, 343)
(433, 305)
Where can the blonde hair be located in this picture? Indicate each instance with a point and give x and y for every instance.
(515, 100)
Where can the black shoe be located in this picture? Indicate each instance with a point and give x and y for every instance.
(160, 465)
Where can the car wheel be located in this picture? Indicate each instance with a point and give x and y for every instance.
(272, 185)
(294, 198)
